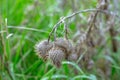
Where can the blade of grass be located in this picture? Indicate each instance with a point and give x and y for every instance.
(26, 28)
(50, 71)
(74, 65)
(90, 77)
(56, 77)
(32, 67)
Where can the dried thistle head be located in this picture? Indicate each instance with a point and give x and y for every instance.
(42, 49)
(56, 55)
(65, 44)
(73, 57)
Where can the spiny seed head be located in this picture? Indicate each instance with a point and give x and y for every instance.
(42, 49)
(73, 56)
(56, 55)
(63, 43)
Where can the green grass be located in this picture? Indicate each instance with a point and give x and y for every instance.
(22, 30)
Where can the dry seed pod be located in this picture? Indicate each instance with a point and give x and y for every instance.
(73, 57)
(56, 55)
(65, 44)
(42, 49)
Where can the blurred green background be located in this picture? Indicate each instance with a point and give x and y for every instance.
(25, 22)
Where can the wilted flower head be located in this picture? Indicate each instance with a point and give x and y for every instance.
(42, 49)
(73, 57)
(65, 44)
(56, 55)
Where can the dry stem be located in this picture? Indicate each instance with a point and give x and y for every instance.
(76, 13)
